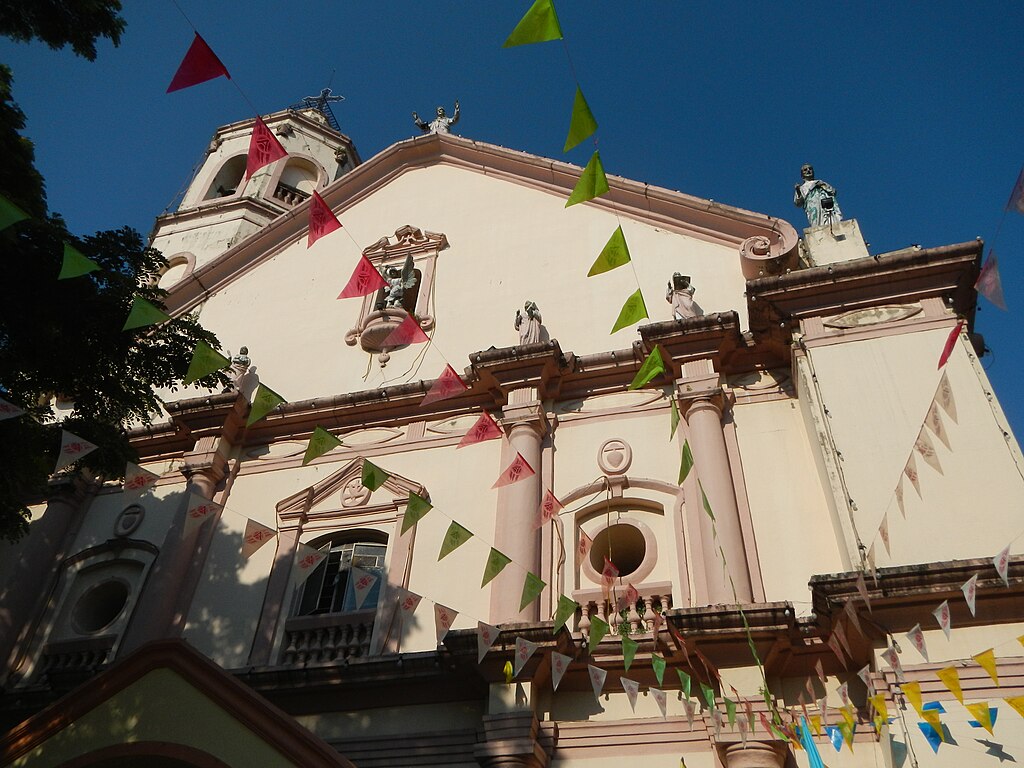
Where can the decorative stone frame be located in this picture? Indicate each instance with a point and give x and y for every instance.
(270, 190)
(373, 327)
(650, 559)
(186, 258)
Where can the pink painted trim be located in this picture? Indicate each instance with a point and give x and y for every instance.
(743, 507)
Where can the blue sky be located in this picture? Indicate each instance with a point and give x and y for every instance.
(912, 111)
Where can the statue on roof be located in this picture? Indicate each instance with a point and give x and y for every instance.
(529, 325)
(440, 124)
(398, 281)
(680, 296)
(239, 368)
(817, 198)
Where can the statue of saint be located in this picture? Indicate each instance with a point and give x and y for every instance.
(528, 325)
(239, 367)
(817, 198)
(398, 280)
(440, 124)
(680, 296)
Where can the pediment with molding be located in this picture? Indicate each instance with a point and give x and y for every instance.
(407, 240)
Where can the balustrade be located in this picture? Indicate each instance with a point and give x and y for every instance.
(655, 597)
(289, 195)
(327, 637)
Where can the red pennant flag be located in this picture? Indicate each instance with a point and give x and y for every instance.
(1016, 201)
(322, 220)
(199, 65)
(609, 574)
(264, 148)
(486, 428)
(950, 343)
(583, 547)
(364, 281)
(448, 384)
(549, 509)
(409, 332)
(989, 284)
(518, 470)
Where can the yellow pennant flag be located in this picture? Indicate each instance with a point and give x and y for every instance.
(592, 182)
(1017, 702)
(931, 717)
(847, 713)
(539, 25)
(1019, 639)
(982, 714)
(951, 679)
(987, 660)
(582, 125)
(913, 693)
(878, 702)
(816, 724)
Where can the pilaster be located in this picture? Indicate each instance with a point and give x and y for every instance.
(512, 739)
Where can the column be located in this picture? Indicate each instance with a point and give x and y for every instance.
(700, 401)
(755, 754)
(511, 739)
(518, 504)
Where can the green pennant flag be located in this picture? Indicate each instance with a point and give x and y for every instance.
(684, 682)
(614, 254)
(582, 125)
(144, 313)
(629, 646)
(686, 463)
(263, 402)
(496, 563)
(320, 442)
(709, 695)
(592, 182)
(205, 360)
(598, 629)
(12, 214)
(653, 366)
(658, 665)
(730, 710)
(76, 264)
(532, 587)
(414, 511)
(539, 25)
(566, 608)
(633, 311)
(704, 501)
(373, 476)
(675, 424)
(453, 539)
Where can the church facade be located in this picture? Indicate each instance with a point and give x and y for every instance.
(755, 544)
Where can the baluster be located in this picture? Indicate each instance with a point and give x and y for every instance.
(290, 649)
(649, 612)
(584, 623)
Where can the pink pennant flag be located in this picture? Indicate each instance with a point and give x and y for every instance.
(833, 643)
(809, 687)
(821, 672)
(518, 470)
(716, 720)
(199, 510)
(583, 547)
(926, 448)
(744, 725)
(944, 397)
(364, 280)
(947, 349)
(255, 536)
(264, 148)
(597, 678)
(749, 707)
(910, 470)
(916, 638)
(609, 573)
(823, 711)
(942, 616)
(661, 699)
(1016, 201)
(199, 65)
(853, 618)
(444, 617)
(883, 532)
(862, 588)
(899, 498)
(691, 711)
(1002, 564)
(934, 422)
(524, 650)
(306, 561)
(408, 332)
(362, 583)
(137, 480)
(629, 598)
(9, 410)
(72, 448)
(550, 506)
(322, 220)
(892, 658)
(844, 693)
(870, 558)
(656, 623)
(840, 633)
(632, 689)
(447, 385)
(485, 428)
(486, 636)
(408, 601)
(559, 664)
(970, 590)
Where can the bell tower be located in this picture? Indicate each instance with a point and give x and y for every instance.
(220, 207)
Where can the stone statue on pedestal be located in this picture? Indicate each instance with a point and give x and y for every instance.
(680, 296)
(529, 326)
(239, 367)
(817, 198)
(398, 280)
(440, 124)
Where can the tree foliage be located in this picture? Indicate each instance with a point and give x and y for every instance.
(61, 341)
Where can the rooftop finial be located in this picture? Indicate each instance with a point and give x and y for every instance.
(322, 104)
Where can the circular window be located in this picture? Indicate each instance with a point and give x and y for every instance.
(626, 544)
(99, 606)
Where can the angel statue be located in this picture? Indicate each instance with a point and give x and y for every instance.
(528, 326)
(398, 281)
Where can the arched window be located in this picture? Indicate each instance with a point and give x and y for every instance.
(228, 178)
(297, 181)
(329, 589)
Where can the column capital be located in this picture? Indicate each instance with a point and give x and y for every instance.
(755, 754)
(525, 409)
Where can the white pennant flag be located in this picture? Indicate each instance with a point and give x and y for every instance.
(820, 669)
(865, 676)
(632, 689)
(910, 470)
(716, 718)
(407, 601)
(744, 723)
(854, 619)
(883, 532)
(934, 422)
(9, 410)
(691, 710)
(926, 448)
(486, 636)
(944, 396)
(255, 536)
(306, 561)
(661, 699)
(72, 448)
(597, 677)
(1002, 564)
(892, 658)
(899, 498)
(870, 557)
(823, 711)
(862, 588)
(559, 664)
(137, 480)
(844, 693)
(199, 510)
(362, 583)
(942, 616)
(916, 638)
(840, 633)
(970, 590)
(524, 650)
(583, 547)
(443, 619)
